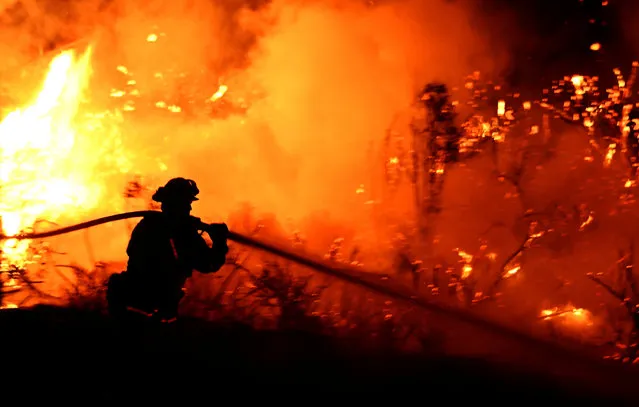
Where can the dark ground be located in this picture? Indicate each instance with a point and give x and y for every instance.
(80, 353)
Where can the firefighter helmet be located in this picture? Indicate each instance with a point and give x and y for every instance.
(177, 189)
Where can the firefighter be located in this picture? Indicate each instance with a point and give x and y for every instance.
(164, 249)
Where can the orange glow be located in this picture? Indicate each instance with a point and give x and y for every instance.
(512, 271)
(177, 92)
(501, 108)
(219, 93)
(467, 266)
(286, 111)
(569, 316)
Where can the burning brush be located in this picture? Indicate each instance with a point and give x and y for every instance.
(569, 321)
(436, 139)
(626, 290)
(610, 117)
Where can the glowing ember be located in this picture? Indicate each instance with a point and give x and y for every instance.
(467, 267)
(501, 108)
(512, 271)
(612, 148)
(569, 316)
(219, 93)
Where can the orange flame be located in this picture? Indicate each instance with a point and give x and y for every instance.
(569, 316)
(45, 148)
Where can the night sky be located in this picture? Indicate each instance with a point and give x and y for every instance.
(552, 38)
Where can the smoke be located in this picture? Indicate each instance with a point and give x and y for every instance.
(336, 77)
(331, 79)
(624, 25)
(323, 81)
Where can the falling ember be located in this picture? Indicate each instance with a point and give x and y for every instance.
(37, 175)
(219, 93)
(587, 222)
(122, 69)
(595, 47)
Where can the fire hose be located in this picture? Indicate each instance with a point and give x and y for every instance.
(374, 282)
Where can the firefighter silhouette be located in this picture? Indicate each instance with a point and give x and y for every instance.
(164, 250)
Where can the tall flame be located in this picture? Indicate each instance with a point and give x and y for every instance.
(37, 178)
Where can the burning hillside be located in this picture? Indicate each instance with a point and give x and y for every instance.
(372, 145)
(142, 98)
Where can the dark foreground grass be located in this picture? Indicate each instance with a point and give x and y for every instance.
(87, 353)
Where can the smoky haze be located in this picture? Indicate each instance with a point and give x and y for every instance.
(323, 81)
